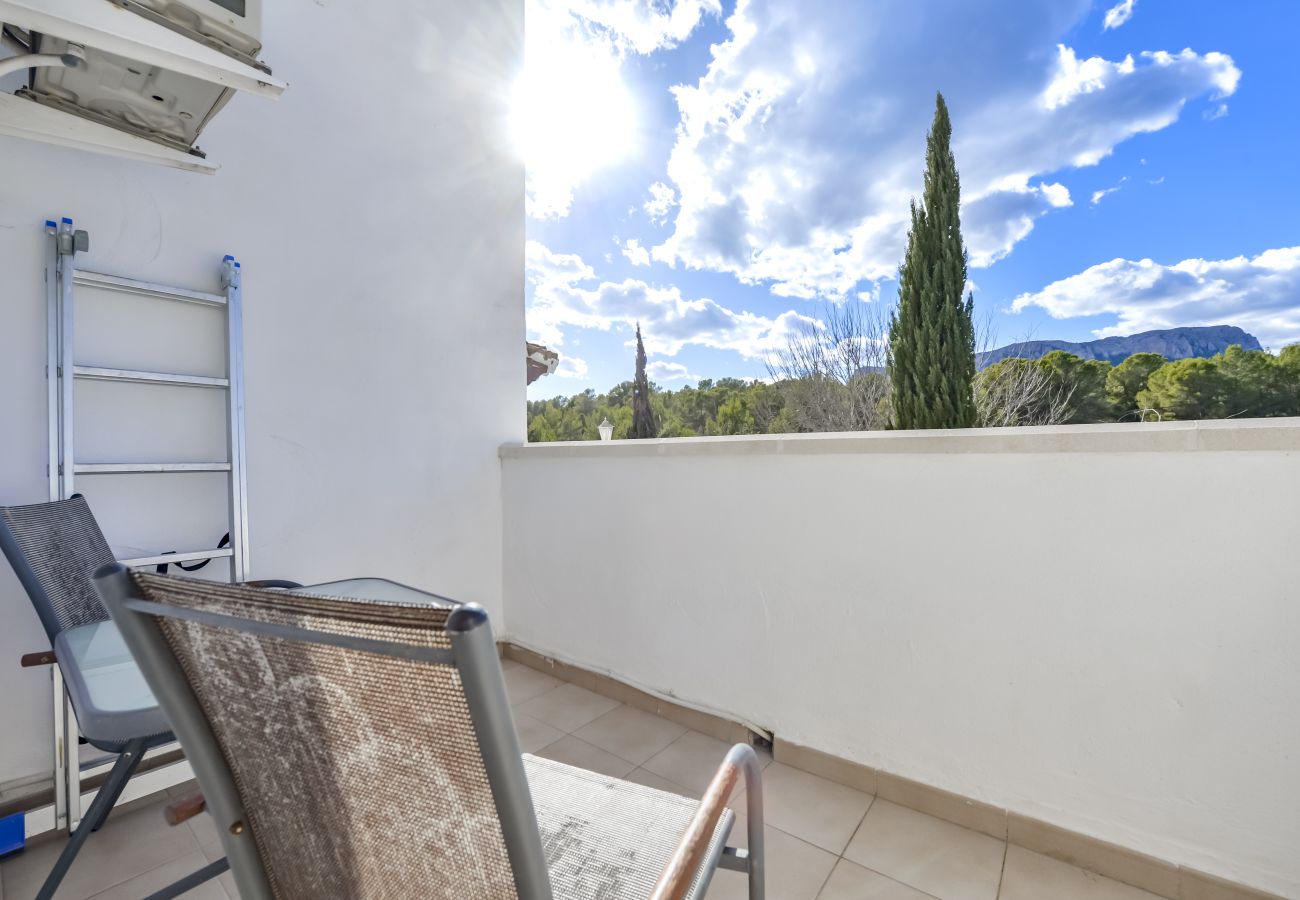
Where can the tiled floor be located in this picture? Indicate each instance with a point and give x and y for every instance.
(824, 841)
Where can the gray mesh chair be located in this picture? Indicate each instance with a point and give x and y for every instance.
(54, 548)
(366, 750)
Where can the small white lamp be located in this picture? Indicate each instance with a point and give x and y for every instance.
(606, 430)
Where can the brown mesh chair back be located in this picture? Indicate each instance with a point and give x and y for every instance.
(353, 741)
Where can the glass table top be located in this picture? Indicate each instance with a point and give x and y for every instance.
(376, 589)
(111, 681)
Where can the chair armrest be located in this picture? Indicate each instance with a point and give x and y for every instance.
(40, 658)
(272, 583)
(186, 807)
(678, 876)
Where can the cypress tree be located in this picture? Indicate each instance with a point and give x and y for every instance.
(932, 334)
(643, 419)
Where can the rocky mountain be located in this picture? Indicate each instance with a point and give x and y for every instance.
(1171, 343)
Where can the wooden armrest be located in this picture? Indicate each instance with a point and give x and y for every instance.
(186, 807)
(678, 876)
(41, 658)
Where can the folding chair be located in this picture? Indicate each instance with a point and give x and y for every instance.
(366, 749)
(54, 548)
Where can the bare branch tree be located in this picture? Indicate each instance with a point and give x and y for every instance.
(833, 370)
(1019, 392)
(1015, 391)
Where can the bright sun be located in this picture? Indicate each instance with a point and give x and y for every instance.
(571, 112)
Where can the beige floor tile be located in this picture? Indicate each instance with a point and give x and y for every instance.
(568, 707)
(796, 870)
(534, 734)
(523, 684)
(650, 779)
(630, 733)
(849, 881)
(937, 857)
(812, 808)
(156, 879)
(690, 761)
(205, 832)
(133, 841)
(1032, 876)
(658, 782)
(576, 752)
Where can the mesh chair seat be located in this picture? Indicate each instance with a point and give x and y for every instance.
(105, 722)
(605, 838)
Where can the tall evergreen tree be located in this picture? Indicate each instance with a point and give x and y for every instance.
(932, 335)
(643, 417)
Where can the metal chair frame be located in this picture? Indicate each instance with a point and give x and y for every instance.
(473, 654)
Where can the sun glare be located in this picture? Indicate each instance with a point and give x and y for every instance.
(571, 112)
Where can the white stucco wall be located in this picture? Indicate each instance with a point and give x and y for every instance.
(1095, 626)
(377, 209)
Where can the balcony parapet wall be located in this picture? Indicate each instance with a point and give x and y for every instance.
(1279, 434)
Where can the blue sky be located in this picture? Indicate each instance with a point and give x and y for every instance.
(720, 170)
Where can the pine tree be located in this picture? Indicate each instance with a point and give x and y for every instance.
(643, 418)
(932, 335)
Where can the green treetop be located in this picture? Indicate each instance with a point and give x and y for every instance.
(932, 337)
(1128, 379)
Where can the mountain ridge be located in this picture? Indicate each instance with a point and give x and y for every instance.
(1171, 343)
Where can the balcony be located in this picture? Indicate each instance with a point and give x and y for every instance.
(825, 839)
(1000, 664)
(1000, 728)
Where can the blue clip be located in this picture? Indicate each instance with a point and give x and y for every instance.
(227, 258)
(12, 833)
(237, 265)
(50, 223)
(67, 221)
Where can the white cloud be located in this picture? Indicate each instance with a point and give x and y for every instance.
(636, 254)
(571, 112)
(996, 222)
(1260, 294)
(663, 372)
(662, 200)
(571, 367)
(1118, 14)
(1099, 195)
(566, 294)
(644, 26)
(800, 147)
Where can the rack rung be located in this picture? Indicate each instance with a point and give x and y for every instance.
(146, 288)
(147, 468)
(191, 556)
(99, 373)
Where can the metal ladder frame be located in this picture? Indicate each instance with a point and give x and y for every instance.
(62, 373)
